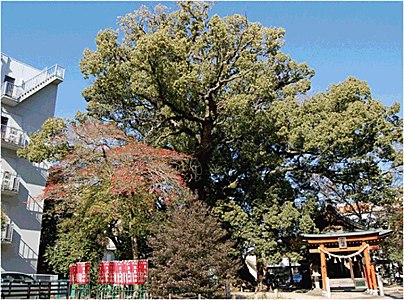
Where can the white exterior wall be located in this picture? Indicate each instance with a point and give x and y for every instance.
(18, 70)
(28, 115)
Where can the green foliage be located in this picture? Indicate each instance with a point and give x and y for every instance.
(191, 253)
(177, 79)
(221, 90)
(43, 143)
(3, 219)
(105, 186)
(391, 217)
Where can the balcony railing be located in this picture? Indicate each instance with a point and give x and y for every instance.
(19, 92)
(10, 183)
(55, 71)
(11, 90)
(13, 136)
(7, 233)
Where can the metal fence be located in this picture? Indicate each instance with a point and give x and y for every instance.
(109, 291)
(61, 289)
(33, 290)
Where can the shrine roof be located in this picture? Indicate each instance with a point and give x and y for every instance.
(330, 217)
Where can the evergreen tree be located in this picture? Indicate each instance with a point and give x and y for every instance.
(191, 253)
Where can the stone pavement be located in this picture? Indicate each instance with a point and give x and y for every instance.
(390, 292)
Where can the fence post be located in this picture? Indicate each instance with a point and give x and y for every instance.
(381, 288)
(69, 288)
(29, 290)
(9, 288)
(49, 289)
(327, 280)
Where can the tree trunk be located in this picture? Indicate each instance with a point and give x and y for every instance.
(203, 154)
(134, 248)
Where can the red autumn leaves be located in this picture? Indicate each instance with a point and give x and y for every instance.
(103, 155)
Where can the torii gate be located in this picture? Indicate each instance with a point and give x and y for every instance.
(355, 243)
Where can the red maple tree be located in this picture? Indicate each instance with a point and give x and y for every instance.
(109, 185)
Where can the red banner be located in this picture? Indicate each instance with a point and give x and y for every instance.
(126, 272)
(106, 272)
(142, 270)
(132, 272)
(101, 275)
(72, 274)
(119, 272)
(83, 273)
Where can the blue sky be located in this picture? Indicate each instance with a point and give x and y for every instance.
(336, 39)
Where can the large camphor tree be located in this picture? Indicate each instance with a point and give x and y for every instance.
(222, 91)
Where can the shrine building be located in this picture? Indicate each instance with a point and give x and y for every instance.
(343, 250)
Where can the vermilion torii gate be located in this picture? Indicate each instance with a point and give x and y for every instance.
(347, 246)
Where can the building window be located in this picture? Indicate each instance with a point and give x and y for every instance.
(9, 82)
(4, 121)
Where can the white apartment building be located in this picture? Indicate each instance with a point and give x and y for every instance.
(28, 98)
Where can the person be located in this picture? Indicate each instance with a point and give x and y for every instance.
(270, 280)
(397, 277)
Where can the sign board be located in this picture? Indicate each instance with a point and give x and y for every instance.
(83, 273)
(118, 272)
(132, 275)
(142, 270)
(342, 242)
(126, 272)
(360, 283)
(72, 274)
(106, 272)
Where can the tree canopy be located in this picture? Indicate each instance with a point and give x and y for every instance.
(107, 186)
(178, 79)
(221, 90)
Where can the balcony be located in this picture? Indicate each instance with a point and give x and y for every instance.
(12, 138)
(10, 183)
(7, 233)
(12, 94)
